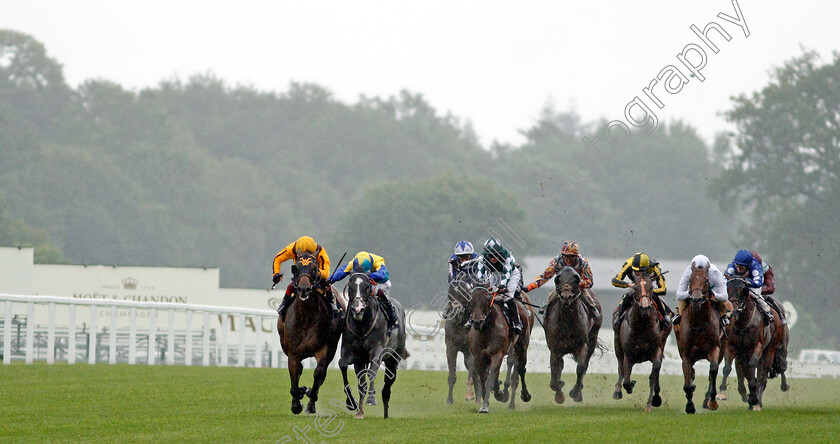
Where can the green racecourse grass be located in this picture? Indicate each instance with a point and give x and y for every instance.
(121, 403)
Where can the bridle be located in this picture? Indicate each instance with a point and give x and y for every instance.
(479, 324)
(311, 263)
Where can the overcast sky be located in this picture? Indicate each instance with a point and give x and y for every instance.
(493, 63)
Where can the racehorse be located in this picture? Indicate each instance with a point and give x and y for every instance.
(310, 330)
(569, 329)
(753, 344)
(518, 355)
(641, 337)
(779, 364)
(699, 337)
(367, 344)
(457, 337)
(489, 343)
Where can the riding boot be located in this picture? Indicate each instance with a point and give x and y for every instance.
(287, 300)
(773, 303)
(626, 300)
(390, 314)
(664, 310)
(513, 312)
(765, 308)
(587, 297)
(332, 302)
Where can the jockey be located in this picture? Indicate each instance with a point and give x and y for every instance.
(717, 285)
(377, 272)
(303, 245)
(640, 263)
(569, 256)
(747, 267)
(496, 260)
(464, 251)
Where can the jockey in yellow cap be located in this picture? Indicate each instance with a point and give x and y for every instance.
(640, 263)
(303, 245)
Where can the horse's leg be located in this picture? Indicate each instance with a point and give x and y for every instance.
(764, 367)
(320, 374)
(473, 381)
(503, 395)
(688, 384)
(711, 395)
(741, 374)
(391, 365)
(557, 377)
(362, 383)
(628, 371)
(619, 355)
(581, 358)
(654, 400)
(514, 383)
(485, 384)
(525, 395)
(350, 402)
(373, 370)
(452, 363)
(785, 386)
(727, 369)
(295, 370)
(752, 375)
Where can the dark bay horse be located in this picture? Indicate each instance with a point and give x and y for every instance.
(752, 344)
(489, 343)
(569, 329)
(310, 330)
(367, 344)
(457, 337)
(641, 337)
(699, 337)
(779, 363)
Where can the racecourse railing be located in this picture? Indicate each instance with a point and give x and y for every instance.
(60, 329)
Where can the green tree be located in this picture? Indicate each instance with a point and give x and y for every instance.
(784, 167)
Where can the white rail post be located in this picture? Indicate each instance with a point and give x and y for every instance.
(132, 336)
(170, 339)
(112, 337)
(92, 336)
(241, 356)
(7, 333)
(152, 338)
(205, 341)
(71, 335)
(51, 335)
(225, 326)
(188, 346)
(30, 332)
(258, 343)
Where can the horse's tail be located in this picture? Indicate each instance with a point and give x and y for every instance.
(602, 347)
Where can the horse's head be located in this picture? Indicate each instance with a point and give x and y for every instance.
(481, 300)
(359, 294)
(737, 291)
(567, 284)
(698, 284)
(459, 295)
(644, 291)
(305, 274)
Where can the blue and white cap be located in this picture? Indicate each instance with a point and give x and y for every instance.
(464, 247)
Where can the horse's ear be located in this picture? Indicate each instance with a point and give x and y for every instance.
(693, 266)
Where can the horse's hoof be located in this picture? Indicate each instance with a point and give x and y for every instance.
(511, 407)
(713, 404)
(785, 387)
(525, 396)
(756, 408)
(576, 395)
(296, 407)
(656, 401)
(628, 387)
(648, 409)
(558, 397)
(617, 395)
(470, 395)
(484, 410)
(371, 401)
(721, 396)
(310, 408)
(359, 416)
(689, 408)
(450, 401)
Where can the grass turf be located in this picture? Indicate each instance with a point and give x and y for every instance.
(121, 403)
